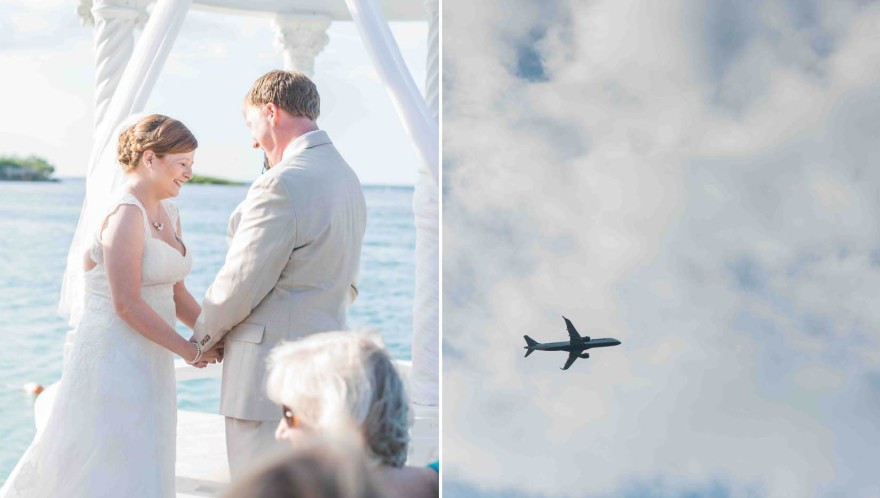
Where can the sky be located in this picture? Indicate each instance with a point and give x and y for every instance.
(47, 90)
(696, 179)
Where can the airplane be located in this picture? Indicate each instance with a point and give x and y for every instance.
(575, 346)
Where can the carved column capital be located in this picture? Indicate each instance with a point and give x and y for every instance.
(84, 11)
(301, 37)
(134, 10)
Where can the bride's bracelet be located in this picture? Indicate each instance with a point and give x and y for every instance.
(198, 354)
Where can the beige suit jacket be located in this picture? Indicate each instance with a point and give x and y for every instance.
(291, 269)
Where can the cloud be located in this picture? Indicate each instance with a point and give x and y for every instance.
(695, 180)
(39, 25)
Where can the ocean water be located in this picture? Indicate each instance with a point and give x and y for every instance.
(37, 222)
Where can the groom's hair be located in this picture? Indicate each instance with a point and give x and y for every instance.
(290, 90)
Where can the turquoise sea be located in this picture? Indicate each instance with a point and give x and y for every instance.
(37, 222)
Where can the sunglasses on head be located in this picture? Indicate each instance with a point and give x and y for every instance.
(289, 418)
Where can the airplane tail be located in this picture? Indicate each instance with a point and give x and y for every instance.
(530, 343)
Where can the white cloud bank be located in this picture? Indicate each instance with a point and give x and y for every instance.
(695, 179)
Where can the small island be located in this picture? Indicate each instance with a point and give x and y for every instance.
(37, 169)
(210, 180)
(28, 169)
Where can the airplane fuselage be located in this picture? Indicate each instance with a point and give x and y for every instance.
(575, 348)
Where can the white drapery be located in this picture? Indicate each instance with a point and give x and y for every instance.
(423, 130)
(385, 54)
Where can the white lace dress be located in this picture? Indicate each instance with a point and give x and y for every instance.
(112, 429)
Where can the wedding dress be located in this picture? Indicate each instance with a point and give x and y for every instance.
(112, 429)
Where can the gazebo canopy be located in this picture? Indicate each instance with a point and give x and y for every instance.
(394, 10)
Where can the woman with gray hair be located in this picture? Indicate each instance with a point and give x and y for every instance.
(329, 381)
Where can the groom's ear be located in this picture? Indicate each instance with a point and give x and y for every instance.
(272, 114)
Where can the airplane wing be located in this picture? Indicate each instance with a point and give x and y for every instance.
(572, 332)
(570, 360)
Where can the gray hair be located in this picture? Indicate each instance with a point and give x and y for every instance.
(333, 379)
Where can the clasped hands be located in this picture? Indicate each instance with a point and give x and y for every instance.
(213, 355)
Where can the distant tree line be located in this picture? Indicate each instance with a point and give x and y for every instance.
(35, 168)
(30, 168)
(210, 180)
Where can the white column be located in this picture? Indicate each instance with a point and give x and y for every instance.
(114, 22)
(301, 37)
(426, 316)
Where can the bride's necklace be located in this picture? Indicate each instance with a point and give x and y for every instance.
(157, 225)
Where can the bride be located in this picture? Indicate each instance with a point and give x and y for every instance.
(111, 431)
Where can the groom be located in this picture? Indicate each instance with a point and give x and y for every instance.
(293, 257)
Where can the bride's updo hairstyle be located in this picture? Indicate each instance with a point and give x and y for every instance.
(158, 133)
